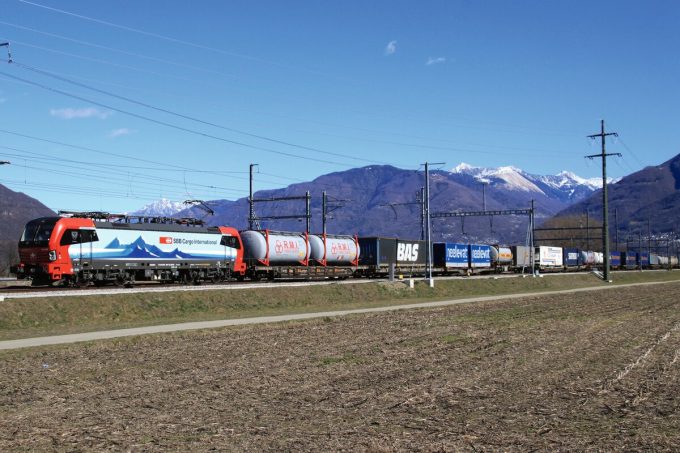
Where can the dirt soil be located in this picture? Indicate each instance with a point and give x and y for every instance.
(576, 372)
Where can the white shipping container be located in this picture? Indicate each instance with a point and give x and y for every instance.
(550, 256)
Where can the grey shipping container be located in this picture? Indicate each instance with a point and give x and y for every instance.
(377, 251)
(521, 255)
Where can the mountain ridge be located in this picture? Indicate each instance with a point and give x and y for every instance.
(16, 209)
(651, 194)
(383, 203)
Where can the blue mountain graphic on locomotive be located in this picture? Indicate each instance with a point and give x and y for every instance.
(140, 249)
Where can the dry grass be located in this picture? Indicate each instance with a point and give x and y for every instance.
(23, 318)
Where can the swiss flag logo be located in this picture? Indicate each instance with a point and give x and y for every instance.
(166, 240)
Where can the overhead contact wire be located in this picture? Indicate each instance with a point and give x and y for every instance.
(166, 124)
(191, 118)
(175, 40)
(113, 49)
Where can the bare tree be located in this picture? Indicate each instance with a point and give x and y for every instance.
(8, 257)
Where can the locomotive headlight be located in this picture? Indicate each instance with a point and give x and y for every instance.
(52, 255)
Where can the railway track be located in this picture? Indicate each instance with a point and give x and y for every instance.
(24, 292)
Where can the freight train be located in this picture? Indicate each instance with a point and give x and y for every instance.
(99, 248)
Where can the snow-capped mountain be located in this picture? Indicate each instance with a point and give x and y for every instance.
(511, 178)
(564, 185)
(161, 208)
(569, 179)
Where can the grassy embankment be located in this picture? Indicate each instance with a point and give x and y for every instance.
(24, 318)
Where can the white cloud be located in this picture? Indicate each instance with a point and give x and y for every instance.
(120, 132)
(431, 61)
(85, 112)
(391, 48)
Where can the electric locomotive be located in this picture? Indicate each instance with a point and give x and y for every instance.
(82, 248)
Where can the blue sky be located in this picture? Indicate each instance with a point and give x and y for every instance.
(306, 88)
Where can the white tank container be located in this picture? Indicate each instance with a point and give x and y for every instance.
(501, 255)
(337, 249)
(282, 248)
(599, 257)
(588, 257)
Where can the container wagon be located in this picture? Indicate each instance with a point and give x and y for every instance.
(549, 258)
(461, 258)
(378, 254)
(287, 255)
(572, 258)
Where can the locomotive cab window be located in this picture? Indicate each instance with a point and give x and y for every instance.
(89, 236)
(71, 237)
(38, 232)
(230, 241)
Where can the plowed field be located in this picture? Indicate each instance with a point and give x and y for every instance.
(599, 371)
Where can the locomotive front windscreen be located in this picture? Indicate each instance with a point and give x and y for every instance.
(37, 232)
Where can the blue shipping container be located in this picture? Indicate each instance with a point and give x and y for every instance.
(615, 259)
(480, 256)
(644, 259)
(451, 255)
(631, 259)
(572, 257)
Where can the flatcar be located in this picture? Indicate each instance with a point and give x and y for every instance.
(465, 259)
(378, 254)
(275, 255)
